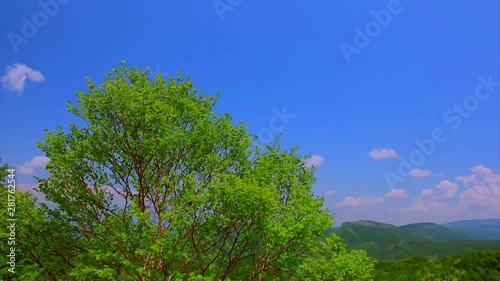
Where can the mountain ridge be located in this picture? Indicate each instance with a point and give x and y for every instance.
(386, 241)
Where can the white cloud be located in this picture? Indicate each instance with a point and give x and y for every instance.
(483, 191)
(448, 187)
(418, 206)
(357, 202)
(315, 160)
(38, 161)
(15, 78)
(31, 189)
(26, 187)
(433, 208)
(381, 153)
(417, 172)
(28, 167)
(25, 170)
(426, 193)
(396, 193)
(481, 199)
(466, 180)
(330, 193)
(481, 170)
(430, 201)
(445, 190)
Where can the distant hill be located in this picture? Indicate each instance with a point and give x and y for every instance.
(379, 242)
(371, 223)
(436, 232)
(480, 229)
(388, 242)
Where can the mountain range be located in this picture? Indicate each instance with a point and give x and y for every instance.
(480, 229)
(389, 242)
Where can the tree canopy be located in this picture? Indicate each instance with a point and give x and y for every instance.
(157, 186)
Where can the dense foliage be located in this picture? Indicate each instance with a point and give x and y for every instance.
(331, 261)
(473, 266)
(157, 186)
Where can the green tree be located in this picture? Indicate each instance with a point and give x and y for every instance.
(441, 269)
(481, 265)
(3, 172)
(331, 261)
(157, 186)
(42, 239)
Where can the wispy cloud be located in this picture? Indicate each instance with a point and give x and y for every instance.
(15, 78)
(315, 160)
(330, 193)
(396, 193)
(382, 153)
(357, 202)
(417, 172)
(418, 205)
(28, 167)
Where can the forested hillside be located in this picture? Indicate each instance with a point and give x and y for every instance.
(435, 232)
(389, 242)
(471, 266)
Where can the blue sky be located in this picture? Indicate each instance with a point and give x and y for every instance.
(363, 80)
